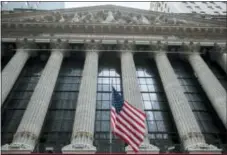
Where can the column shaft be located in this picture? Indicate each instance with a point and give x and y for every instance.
(12, 70)
(132, 92)
(83, 128)
(31, 124)
(214, 90)
(222, 61)
(186, 123)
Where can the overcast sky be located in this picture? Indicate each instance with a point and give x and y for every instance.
(139, 5)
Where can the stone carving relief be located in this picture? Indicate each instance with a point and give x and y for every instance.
(106, 17)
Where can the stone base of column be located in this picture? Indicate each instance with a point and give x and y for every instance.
(79, 149)
(16, 148)
(203, 149)
(144, 149)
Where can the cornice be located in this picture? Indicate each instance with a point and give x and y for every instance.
(52, 28)
(113, 40)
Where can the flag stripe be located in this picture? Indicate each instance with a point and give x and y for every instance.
(135, 132)
(138, 135)
(135, 148)
(128, 133)
(135, 112)
(132, 123)
(132, 117)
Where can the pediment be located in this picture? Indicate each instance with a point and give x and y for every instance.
(110, 14)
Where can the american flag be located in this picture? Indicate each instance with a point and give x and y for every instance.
(127, 122)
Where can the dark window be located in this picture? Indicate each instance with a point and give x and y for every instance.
(207, 119)
(161, 129)
(58, 125)
(18, 99)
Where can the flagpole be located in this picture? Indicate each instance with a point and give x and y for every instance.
(110, 115)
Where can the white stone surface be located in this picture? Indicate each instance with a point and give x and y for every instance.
(32, 121)
(212, 87)
(83, 128)
(132, 95)
(12, 70)
(187, 126)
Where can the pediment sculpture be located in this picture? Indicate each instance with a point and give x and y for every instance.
(107, 17)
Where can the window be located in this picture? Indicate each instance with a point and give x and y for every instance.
(17, 101)
(108, 76)
(161, 129)
(58, 125)
(208, 121)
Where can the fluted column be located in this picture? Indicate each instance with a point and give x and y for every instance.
(210, 84)
(83, 128)
(12, 70)
(219, 54)
(186, 123)
(31, 124)
(132, 91)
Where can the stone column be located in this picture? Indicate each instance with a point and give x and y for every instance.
(12, 70)
(31, 124)
(187, 126)
(219, 54)
(132, 91)
(83, 128)
(210, 84)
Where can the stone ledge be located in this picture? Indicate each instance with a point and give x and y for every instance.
(16, 148)
(144, 149)
(79, 149)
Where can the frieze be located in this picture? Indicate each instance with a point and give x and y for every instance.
(107, 17)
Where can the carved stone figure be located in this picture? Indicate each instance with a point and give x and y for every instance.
(144, 20)
(110, 18)
(76, 18)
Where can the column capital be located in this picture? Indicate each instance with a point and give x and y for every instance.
(92, 45)
(125, 45)
(219, 49)
(25, 44)
(190, 47)
(59, 44)
(159, 46)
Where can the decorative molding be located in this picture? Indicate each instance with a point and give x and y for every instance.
(92, 45)
(59, 44)
(159, 46)
(126, 45)
(24, 43)
(191, 47)
(84, 134)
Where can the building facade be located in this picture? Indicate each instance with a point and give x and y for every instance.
(58, 69)
(214, 8)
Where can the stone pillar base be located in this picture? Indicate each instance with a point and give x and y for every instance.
(144, 149)
(78, 149)
(203, 149)
(16, 149)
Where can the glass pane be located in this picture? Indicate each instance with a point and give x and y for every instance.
(150, 115)
(152, 126)
(147, 105)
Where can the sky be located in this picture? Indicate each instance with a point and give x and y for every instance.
(139, 5)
